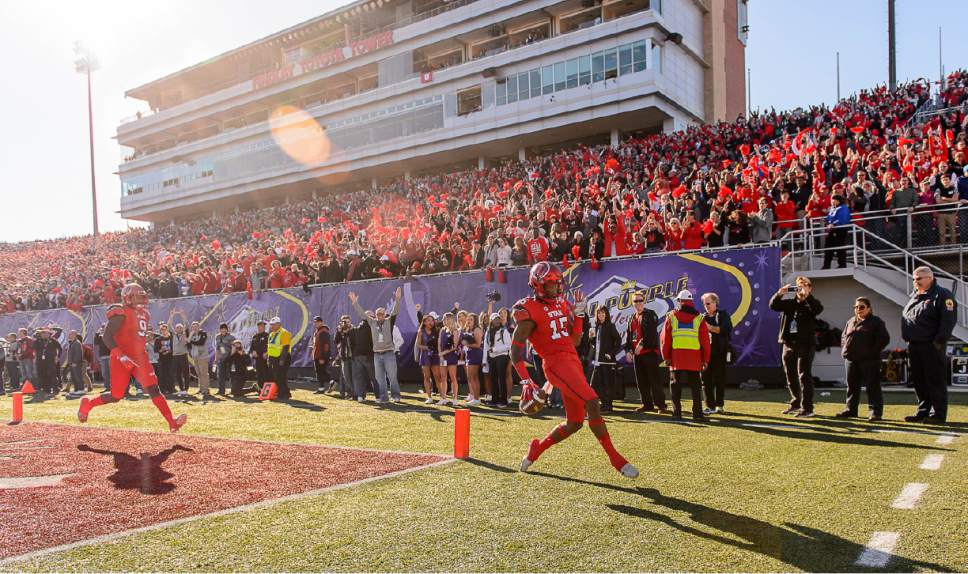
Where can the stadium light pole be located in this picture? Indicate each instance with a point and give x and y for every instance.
(85, 63)
(891, 51)
(838, 77)
(940, 64)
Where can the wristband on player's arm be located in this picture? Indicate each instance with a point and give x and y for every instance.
(519, 365)
(579, 324)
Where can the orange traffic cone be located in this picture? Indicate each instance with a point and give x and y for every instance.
(269, 392)
(27, 389)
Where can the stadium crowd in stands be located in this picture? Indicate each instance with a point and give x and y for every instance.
(710, 185)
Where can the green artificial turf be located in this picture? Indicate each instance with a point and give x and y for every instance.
(715, 497)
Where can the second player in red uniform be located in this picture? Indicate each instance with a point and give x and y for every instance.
(554, 328)
(125, 336)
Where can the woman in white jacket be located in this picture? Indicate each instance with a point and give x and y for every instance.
(497, 348)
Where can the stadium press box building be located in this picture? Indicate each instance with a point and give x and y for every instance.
(387, 88)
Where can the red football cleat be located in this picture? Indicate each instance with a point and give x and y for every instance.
(84, 409)
(533, 454)
(179, 422)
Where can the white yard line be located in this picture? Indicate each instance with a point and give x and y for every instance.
(946, 439)
(879, 550)
(910, 495)
(932, 462)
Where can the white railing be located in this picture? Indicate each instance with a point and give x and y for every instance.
(865, 250)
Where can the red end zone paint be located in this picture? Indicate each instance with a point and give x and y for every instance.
(120, 480)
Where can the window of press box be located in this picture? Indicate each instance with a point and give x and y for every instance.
(581, 71)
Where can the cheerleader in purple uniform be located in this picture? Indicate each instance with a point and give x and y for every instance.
(448, 346)
(472, 339)
(428, 357)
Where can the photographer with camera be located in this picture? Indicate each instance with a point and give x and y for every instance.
(344, 357)
(798, 334)
(237, 364)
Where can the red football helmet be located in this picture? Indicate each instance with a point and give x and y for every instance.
(134, 295)
(542, 273)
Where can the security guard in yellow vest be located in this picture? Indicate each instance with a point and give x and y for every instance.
(280, 356)
(685, 347)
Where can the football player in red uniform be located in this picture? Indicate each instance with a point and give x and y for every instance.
(125, 336)
(554, 329)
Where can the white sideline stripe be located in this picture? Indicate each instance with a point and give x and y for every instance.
(932, 462)
(879, 550)
(11, 483)
(244, 508)
(946, 439)
(910, 495)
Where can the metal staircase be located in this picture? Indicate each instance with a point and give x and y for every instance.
(872, 261)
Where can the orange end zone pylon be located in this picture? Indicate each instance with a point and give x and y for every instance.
(27, 389)
(462, 433)
(18, 408)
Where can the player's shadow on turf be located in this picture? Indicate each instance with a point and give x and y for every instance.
(303, 405)
(802, 547)
(142, 473)
(491, 466)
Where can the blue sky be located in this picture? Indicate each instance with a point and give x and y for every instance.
(44, 155)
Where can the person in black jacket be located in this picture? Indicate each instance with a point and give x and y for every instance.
(720, 327)
(604, 343)
(862, 341)
(321, 355)
(642, 344)
(344, 357)
(798, 333)
(926, 324)
(163, 346)
(46, 352)
(363, 371)
(238, 363)
(259, 351)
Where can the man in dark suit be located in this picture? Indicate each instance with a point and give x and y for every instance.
(642, 344)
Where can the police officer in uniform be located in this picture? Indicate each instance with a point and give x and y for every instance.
(280, 356)
(258, 350)
(926, 324)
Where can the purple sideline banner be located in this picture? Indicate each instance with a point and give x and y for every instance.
(744, 279)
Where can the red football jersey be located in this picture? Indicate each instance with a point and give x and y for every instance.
(553, 324)
(131, 336)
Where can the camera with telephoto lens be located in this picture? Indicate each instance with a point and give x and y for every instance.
(493, 296)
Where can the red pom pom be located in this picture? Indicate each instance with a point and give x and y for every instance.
(858, 129)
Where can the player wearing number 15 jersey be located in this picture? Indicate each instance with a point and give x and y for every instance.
(553, 327)
(125, 336)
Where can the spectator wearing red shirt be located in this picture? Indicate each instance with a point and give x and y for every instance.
(538, 247)
(785, 213)
(673, 235)
(692, 237)
(277, 276)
